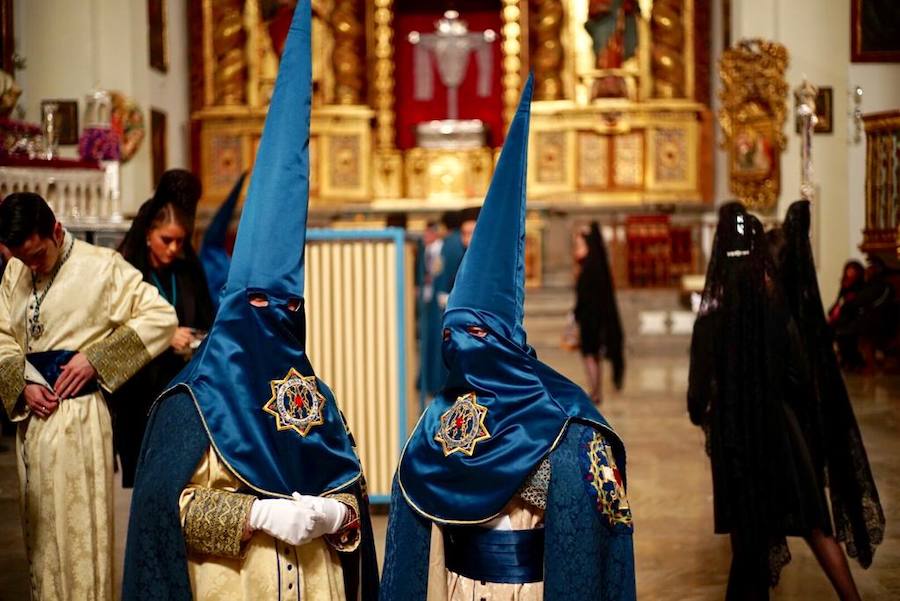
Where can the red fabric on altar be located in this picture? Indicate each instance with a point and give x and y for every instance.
(17, 161)
(410, 111)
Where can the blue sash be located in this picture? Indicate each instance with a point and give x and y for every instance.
(500, 556)
(50, 364)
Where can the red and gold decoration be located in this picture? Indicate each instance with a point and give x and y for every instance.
(462, 426)
(296, 403)
(754, 107)
(881, 236)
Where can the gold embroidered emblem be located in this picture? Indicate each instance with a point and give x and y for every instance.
(296, 403)
(462, 426)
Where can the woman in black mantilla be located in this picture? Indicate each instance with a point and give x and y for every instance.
(750, 390)
(596, 311)
(159, 245)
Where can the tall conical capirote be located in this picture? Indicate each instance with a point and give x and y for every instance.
(269, 251)
(491, 278)
(213, 255)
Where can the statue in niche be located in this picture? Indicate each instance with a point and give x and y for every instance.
(613, 26)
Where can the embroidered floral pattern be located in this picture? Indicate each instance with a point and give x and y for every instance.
(462, 426)
(117, 357)
(347, 539)
(296, 403)
(12, 381)
(604, 481)
(215, 521)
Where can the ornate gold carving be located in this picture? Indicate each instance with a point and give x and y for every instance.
(512, 62)
(546, 49)
(383, 74)
(667, 29)
(752, 116)
(215, 520)
(347, 58)
(345, 162)
(593, 161)
(117, 357)
(388, 174)
(228, 46)
(628, 166)
(551, 157)
(447, 174)
(670, 155)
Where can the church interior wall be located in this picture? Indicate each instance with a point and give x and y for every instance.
(73, 47)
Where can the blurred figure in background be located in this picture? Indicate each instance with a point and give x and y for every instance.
(843, 312)
(596, 311)
(159, 246)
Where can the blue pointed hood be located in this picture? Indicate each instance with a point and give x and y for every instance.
(213, 255)
(273, 422)
(501, 411)
(491, 278)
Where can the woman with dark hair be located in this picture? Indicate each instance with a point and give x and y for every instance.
(596, 311)
(159, 246)
(845, 310)
(750, 390)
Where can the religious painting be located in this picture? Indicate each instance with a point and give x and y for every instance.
(157, 33)
(752, 117)
(873, 34)
(824, 112)
(66, 119)
(158, 140)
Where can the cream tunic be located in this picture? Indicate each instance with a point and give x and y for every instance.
(100, 306)
(223, 568)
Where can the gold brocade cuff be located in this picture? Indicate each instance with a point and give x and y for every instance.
(117, 357)
(215, 522)
(347, 539)
(12, 383)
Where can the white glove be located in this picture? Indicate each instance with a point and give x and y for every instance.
(297, 521)
(334, 513)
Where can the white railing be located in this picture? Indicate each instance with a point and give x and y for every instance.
(75, 195)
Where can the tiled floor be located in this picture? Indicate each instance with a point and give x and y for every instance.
(678, 556)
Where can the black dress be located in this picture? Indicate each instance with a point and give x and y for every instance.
(596, 310)
(750, 390)
(183, 285)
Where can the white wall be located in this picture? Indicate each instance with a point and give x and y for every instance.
(817, 36)
(73, 46)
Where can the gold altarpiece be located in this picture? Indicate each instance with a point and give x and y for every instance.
(650, 144)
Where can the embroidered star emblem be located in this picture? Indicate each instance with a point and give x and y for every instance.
(462, 426)
(296, 403)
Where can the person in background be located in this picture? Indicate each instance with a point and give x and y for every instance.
(74, 318)
(596, 312)
(214, 252)
(842, 312)
(432, 371)
(751, 390)
(159, 246)
(249, 486)
(467, 219)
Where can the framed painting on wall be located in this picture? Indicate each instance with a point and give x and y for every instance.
(873, 35)
(67, 116)
(157, 34)
(158, 141)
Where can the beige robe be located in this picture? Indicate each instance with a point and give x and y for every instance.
(223, 567)
(99, 305)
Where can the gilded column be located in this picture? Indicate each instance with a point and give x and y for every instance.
(512, 61)
(347, 57)
(228, 47)
(388, 164)
(546, 49)
(667, 28)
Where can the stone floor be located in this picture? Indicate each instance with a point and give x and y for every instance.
(678, 556)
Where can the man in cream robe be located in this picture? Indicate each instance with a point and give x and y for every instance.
(90, 302)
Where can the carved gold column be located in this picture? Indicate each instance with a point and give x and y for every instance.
(546, 50)
(388, 164)
(347, 58)
(512, 62)
(667, 28)
(228, 47)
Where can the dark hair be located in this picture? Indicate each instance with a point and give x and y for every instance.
(155, 212)
(181, 188)
(451, 220)
(23, 214)
(469, 214)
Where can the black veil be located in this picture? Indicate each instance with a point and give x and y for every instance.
(599, 281)
(835, 436)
